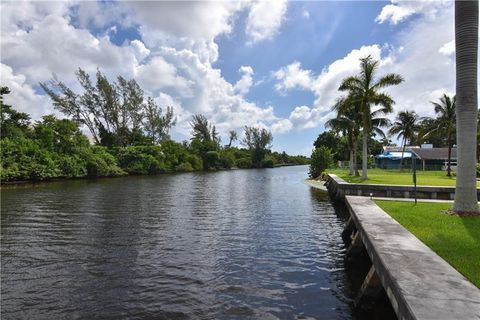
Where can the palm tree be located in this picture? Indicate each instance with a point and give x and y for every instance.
(347, 122)
(466, 55)
(232, 135)
(364, 91)
(405, 127)
(445, 122)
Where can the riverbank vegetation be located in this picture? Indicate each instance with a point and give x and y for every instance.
(128, 134)
(455, 239)
(361, 112)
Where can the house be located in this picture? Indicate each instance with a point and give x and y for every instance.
(426, 157)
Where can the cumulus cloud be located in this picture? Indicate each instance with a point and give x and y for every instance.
(22, 96)
(243, 85)
(428, 69)
(173, 61)
(264, 19)
(448, 48)
(292, 76)
(399, 10)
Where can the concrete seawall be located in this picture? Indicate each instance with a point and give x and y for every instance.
(339, 188)
(418, 283)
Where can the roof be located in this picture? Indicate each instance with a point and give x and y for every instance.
(394, 155)
(435, 153)
(398, 149)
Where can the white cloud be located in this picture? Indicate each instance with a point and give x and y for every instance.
(427, 66)
(264, 19)
(157, 74)
(172, 62)
(281, 126)
(22, 96)
(140, 51)
(399, 10)
(293, 76)
(324, 86)
(448, 48)
(244, 84)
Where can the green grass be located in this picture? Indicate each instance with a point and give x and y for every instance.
(383, 176)
(455, 239)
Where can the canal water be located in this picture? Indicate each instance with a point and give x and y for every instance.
(240, 244)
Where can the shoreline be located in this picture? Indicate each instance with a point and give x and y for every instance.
(21, 183)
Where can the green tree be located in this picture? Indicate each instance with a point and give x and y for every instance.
(320, 160)
(444, 124)
(232, 136)
(157, 125)
(116, 113)
(348, 123)
(406, 128)
(204, 140)
(364, 89)
(12, 123)
(258, 141)
(466, 56)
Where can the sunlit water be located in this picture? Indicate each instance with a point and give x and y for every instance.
(225, 245)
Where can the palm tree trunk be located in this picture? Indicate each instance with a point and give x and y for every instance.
(365, 154)
(403, 152)
(351, 163)
(466, 48)
(355, 153)
(449, 160)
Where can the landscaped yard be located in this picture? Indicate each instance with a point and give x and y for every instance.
(383, 176)
(455, 239)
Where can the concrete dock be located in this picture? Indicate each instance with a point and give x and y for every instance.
(339, 188)
(419, 283)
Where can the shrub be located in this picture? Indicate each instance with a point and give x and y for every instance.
(211, 159)
(141, 159)
(184, 167)
(100, 163)
(321, 159)
(267, 163)
(195, 161)
(227, 159)
(244, 163)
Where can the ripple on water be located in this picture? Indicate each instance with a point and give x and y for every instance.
(227, 245)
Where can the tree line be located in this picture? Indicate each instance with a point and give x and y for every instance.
(129, 133)
(353, 121)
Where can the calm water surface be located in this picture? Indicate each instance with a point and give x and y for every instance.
(254, 244)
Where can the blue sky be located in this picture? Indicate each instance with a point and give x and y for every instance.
(270, 64)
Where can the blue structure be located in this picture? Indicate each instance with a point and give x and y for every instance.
(391, 160)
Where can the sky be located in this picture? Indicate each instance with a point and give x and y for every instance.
(270, 64)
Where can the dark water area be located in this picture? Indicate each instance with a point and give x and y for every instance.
(242, 244)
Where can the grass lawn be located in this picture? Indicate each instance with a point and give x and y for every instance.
(383, 176)
(455, 239)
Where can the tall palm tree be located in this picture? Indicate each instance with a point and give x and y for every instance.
(405, 127)
(466, 55)
(364, 90)
(445, 122)
(232, 136)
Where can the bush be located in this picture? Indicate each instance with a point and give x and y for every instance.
(227, 159)
(141, 159)
(184, 167)
(195, 161)
(321, 159)
(100, 163)
(244, 163)
(24, 159)
(211, 159)
(267, 163)
(478, 170)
